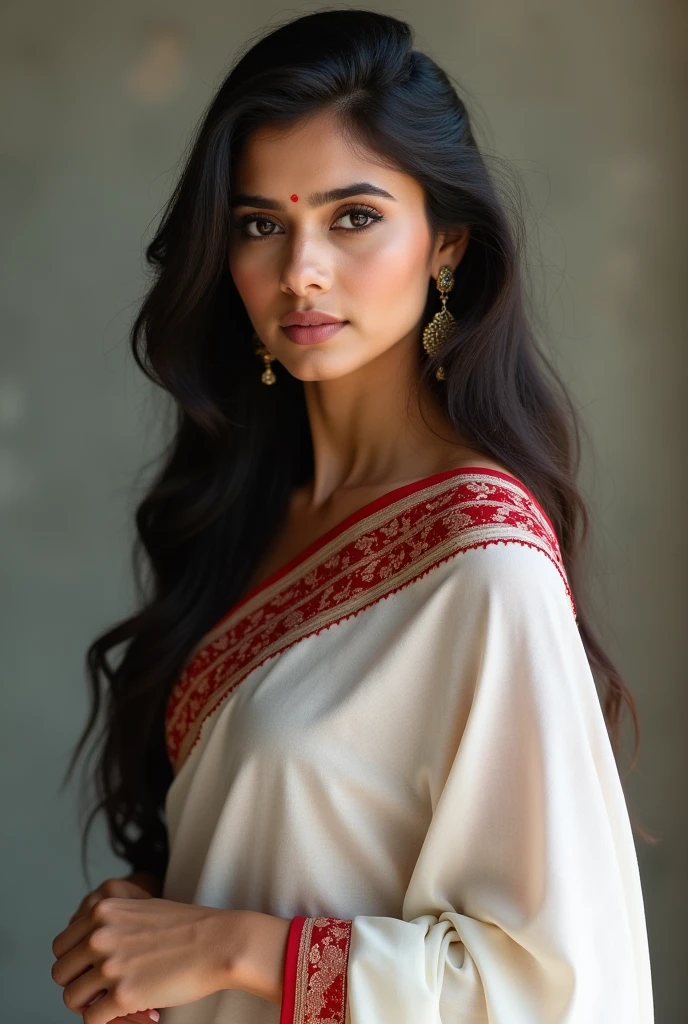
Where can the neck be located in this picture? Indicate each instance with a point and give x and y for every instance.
(369, 431)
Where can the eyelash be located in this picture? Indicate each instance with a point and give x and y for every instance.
(252, 218)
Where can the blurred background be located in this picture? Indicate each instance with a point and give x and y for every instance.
(99, 100)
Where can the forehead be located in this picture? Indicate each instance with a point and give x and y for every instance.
(313, 154)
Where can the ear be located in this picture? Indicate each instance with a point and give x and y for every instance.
(449, 249)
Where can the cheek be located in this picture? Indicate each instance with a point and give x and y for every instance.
(392, 278)
(250, 284)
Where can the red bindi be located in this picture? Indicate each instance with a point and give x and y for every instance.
(294, 198)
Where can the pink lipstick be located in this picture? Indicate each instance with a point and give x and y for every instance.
(312, 335)
(310, 326)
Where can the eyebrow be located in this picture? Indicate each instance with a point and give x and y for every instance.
(358, 188)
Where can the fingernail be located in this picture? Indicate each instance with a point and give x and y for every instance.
(154, 1015)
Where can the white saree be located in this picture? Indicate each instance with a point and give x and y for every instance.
(396, 742)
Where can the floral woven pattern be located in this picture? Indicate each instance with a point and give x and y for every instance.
(355, 566)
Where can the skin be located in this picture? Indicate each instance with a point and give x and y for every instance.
(126, 948)
(361, 385)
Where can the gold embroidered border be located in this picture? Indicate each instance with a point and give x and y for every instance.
(370, 524)
(534, 530)
(321, 971)
(302, 971)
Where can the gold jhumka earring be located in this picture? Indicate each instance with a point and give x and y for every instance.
(443, 323)
(268, 374)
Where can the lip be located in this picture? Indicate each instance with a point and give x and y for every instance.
(309, 318)
(314, 334)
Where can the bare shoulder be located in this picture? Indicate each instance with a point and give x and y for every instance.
(481, 462)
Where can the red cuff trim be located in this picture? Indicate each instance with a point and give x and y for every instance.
(314, 989)
(290, 965)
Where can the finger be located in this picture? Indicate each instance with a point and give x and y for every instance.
(81, 909)
(142, 1017)
(119, 887)
(71, 966)
(72, 935)
(81, 912)
(87, 996)
(86, 906)
(85, 992)
(87, 903)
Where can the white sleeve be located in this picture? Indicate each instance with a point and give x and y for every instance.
(525, 904)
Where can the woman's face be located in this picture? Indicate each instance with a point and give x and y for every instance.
(368, 267)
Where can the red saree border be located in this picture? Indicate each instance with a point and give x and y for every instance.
(314, 985)
(366, 510)
(402, 536)
(291, 960)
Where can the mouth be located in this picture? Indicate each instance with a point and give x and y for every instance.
(314, 333)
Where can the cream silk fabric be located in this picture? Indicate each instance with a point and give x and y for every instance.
(397, 743)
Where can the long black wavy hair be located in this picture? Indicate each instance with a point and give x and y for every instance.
(239, 448)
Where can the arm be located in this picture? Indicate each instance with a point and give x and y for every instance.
(524, 905)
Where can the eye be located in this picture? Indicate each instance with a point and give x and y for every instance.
(241, 224)
(361, 211)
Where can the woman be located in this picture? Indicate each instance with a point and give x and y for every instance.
(354, 752)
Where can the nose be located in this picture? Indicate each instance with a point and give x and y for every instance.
(305, 269)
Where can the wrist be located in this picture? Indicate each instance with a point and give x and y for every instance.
(255, 962)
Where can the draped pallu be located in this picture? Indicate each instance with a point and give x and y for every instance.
(396, 742)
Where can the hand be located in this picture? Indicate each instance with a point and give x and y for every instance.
(138, 885)
(132, 887)
(123, 954)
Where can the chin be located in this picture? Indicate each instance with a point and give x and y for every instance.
(317, 366)
(312, 373)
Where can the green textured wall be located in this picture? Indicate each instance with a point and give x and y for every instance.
(98, 101)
